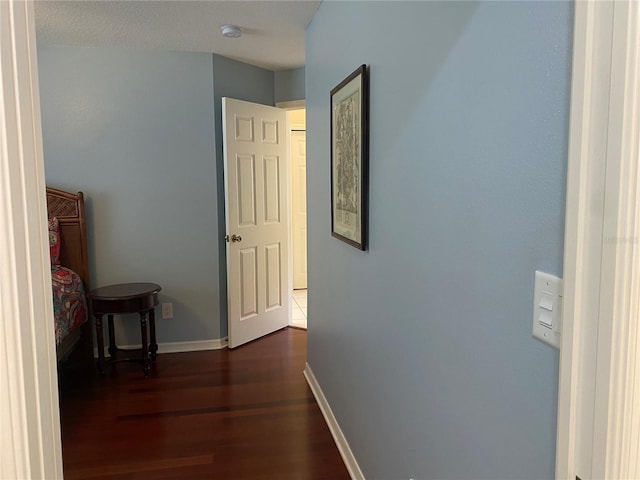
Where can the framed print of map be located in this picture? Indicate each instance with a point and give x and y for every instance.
(350, 158)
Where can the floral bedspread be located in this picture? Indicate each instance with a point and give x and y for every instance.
(69, 304)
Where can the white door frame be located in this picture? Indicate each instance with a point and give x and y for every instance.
(291, 105)
(297, 129)
(598, 415)
(30, 444)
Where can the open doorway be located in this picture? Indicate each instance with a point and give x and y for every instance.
(298, 156)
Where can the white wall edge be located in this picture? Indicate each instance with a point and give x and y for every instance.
(178, 347)
(338, 437)
(582, 250)
(30, 441)
(292, 104)
(598, 405)
(618, 376)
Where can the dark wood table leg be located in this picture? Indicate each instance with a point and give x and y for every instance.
(153, 348)
(145, 343)
(113, 348)
(100, 340)
(141, 298)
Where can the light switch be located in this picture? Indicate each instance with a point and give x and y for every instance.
(547, 311)
(546, 302)
(546, 319)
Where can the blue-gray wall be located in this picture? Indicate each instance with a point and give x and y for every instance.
(289, 85)
(135, 131)
(238, 80)
(423, 343)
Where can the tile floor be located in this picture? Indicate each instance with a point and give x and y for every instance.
(299, 310)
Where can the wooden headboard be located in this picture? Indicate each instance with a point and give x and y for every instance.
(69, 209)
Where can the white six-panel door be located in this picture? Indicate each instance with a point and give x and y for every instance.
(256, 189)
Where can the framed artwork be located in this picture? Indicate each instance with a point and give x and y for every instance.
(350, 158)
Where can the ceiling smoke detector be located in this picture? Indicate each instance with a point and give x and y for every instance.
(231, 31)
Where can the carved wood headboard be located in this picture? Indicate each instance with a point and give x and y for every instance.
(69, 209)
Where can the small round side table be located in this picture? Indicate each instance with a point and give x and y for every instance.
(139, 298)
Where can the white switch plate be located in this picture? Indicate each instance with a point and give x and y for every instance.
(547, 308)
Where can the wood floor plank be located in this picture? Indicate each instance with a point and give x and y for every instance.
(239, 414)
(140, 467)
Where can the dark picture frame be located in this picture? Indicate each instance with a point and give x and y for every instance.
(350, 159)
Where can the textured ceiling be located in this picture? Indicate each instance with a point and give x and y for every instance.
(273, 31)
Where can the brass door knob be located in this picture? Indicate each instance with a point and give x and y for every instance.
(236, 238)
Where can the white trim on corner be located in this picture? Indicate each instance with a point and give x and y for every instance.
(599, 359)
(30, 445)
(617, 406)
(292, 104)
(341, 441)
(583, 232)
(178, 347)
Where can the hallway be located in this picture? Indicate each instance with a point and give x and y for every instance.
(234, 414)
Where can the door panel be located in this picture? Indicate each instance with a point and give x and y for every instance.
(269, 132)
(272, 189)
(244, 129)
(246, 188)
(256, 190)
(248, 282)
(274, 276)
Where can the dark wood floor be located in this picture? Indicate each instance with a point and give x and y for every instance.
(245, 413)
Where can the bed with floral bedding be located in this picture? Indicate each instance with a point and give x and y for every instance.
(69, 302)
(69, 269)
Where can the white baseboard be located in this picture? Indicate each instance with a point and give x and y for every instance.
(338, 437)
(177, 347)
